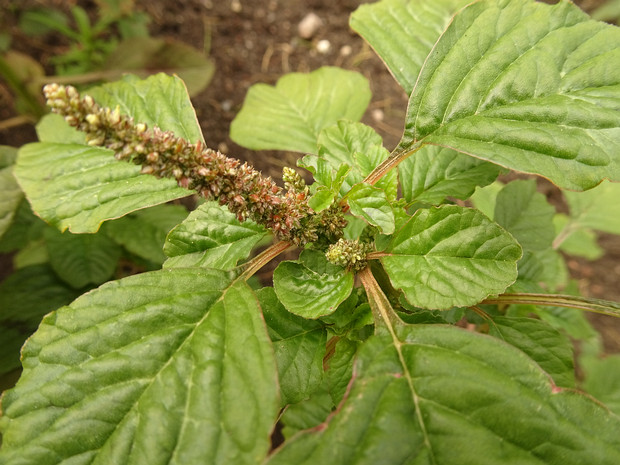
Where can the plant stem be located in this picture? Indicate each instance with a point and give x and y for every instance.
(604, 307)
(252, 266)
(391, 162)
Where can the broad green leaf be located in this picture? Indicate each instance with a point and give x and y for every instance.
(160, 100)
(340, 368)
(434, 173)
(602, 379)
(211, 236)
(597, 208)
(575, 240)
(143, 233)
(403, 32)
(291, 114)
(451, 257)
(79, 187)
(548, 347)
(528, 86)
(371, 204)
(356, 145)
(311, 287)
(307, 413)
(526, 214)
(25, 297)
(10, 198)
(445, 396)
(166, 367)
(82, 259)
(54, 128)
(299, 346)
(8, 156)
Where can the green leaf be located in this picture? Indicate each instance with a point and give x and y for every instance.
(143, 233)
(211, 236)
(597, 208)
(602, 379)
(24, 227)
(171, 366)
(54, 128)
(371, 204)
(340, 368)
(581, 242)
(308, 413)
(403, 32)
(299, 346)
(548, 347)
(451, 257)
(291, 115)
(355, 145)
(484, 198)
(79, 187)
(25, 297)
(10, 198)
(528, 86)
(159, 100)
(434, 173)
(82, 259)
(525, 214)
(442, 395)
(311, 287)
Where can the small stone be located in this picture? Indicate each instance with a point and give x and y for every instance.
(308, 26)
(378, 114)
(346, 50)
(235, 5)
(323, 46)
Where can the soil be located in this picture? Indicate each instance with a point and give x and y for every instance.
(258, 41)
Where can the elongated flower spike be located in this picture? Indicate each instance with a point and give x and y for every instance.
(245, 191)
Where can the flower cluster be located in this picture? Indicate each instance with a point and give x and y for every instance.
(349, 254)
(240, 187)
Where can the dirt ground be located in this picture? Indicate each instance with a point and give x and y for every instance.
(255, 41)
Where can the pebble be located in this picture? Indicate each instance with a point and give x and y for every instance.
(323, 46)
(308, 26)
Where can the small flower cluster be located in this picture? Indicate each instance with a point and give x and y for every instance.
(240, 187)
(349, 254)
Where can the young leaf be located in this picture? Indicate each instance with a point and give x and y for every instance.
(311, 287)
(426, 394)
(171, 366)
(547, 346)
(403, 32)
(291, 115)
(435, 173)
(356, 145)
(299, 346)
(526, 214)
(575, 240)
(211, 236)
(340, 368)
(451, 257)
(25, 297)
(82, 259)
(143, 232)
(528, 86)
(371, 204)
